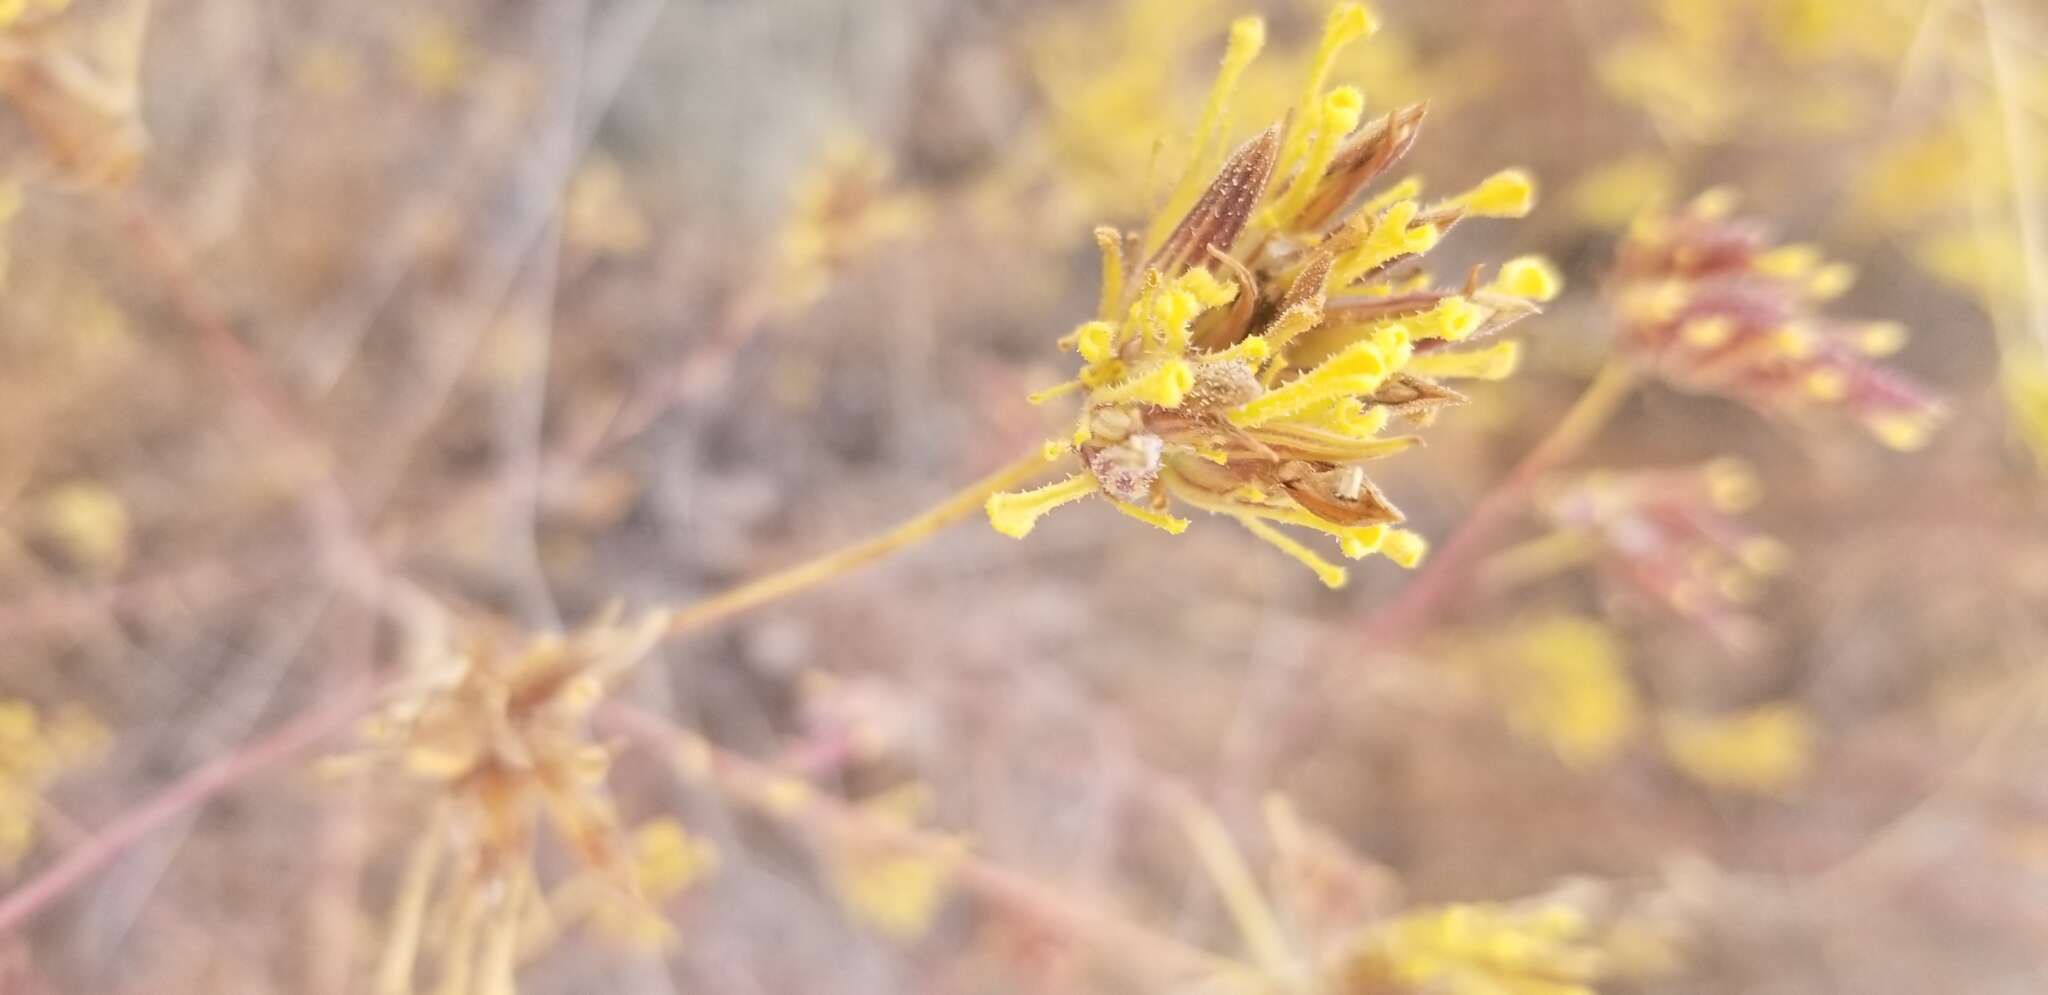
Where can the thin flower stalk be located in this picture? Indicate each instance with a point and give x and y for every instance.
(1400, 618)
(813, 572)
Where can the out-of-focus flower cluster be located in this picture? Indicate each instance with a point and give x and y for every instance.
(1566, 682)
(68, 101)
(1708, 302)
(1268, 326)
(1710, 70)
(501, 742)
(1671, 536)
(1559, 680)
(35, 750)
(843, 206)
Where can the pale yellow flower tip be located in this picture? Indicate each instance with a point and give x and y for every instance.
(1510, 193)
(1716, 204)
(1452, 319)
(1405, 548)
(1764, 555)
(1732, 486)
(786, 796)
(669, 858)
(1016, 513)
(1831, 281)
(1904, 431)
(1708, 333)
(1363, 541)
(1531, 278)
(1789, 261)
(1880, 338)
(1247, 37)
(1350, 22)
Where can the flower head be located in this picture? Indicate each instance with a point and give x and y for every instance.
(1672, 535)
(1253, 343)
(501, 741)
(1710, 304)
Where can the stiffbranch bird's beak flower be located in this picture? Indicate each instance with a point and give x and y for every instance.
(501, 743)
(1253, 343)
(1707, 302)
(1673, 536)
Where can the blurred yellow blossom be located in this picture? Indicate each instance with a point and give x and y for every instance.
(665, 860)
(433, 54)
(1255, 339)
(1763, 750)
(1561, 680)
(601, 216)
(1613, 194)
(36, 750)
(893, 888)
(13, 12)
(842, 206)
(1110, 76)
(87, 523)
(1478, 949)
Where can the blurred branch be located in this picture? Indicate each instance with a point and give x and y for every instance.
(102, 847)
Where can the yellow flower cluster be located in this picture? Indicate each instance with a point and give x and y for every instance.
(35, 750)
(1252, 344)
(1479, 949)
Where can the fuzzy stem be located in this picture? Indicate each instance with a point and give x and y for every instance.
(817, 570)
(1398, 619)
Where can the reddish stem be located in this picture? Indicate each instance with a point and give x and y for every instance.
(1398, 619)
(115, 838)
